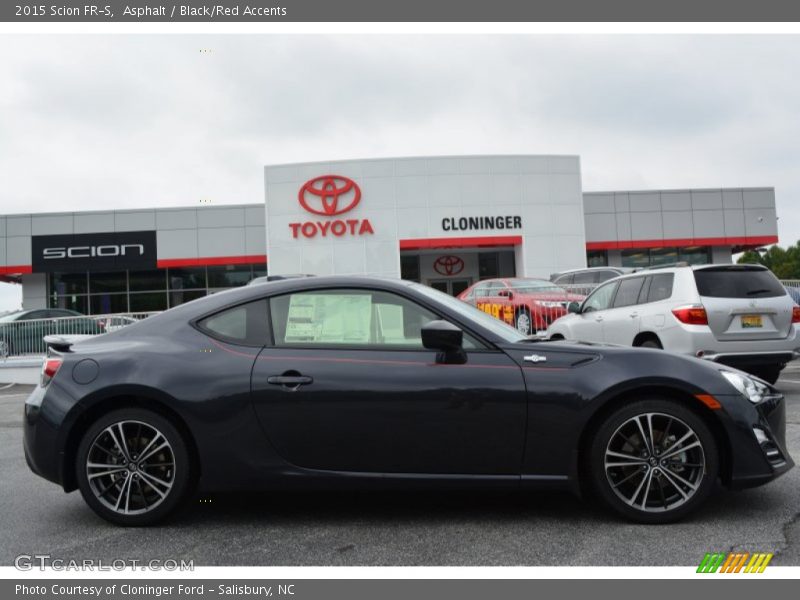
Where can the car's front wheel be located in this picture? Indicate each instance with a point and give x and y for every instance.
(653, 461)
(133, 467)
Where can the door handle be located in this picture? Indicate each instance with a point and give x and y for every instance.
(598, 318)
(290, 380)
(633, 315)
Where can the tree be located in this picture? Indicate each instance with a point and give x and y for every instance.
(784, 263)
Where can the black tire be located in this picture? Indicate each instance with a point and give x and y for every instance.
(770, 374)
(651, 343)
(613, 484)
(523, 314)
(164, 498)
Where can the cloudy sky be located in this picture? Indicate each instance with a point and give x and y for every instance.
(97, 121)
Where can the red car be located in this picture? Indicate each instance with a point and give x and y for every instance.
(530, 305)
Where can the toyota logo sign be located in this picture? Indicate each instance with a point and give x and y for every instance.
(329, 195)
(448, 265)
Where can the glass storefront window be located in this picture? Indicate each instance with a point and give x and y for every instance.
(635, 258)
(68, 283)
(488, 265)
(187, 278)
(179, 297)
(116, 281)
(101, 304)
(224, 276)
(663, 256)
(145, 281)
(409, 267)
(696, 255)
(597, 258)
(76, 303)
(260, 270)
(148, 301)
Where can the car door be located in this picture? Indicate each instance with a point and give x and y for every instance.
(588, 326)
(621, 321)
(347, 386)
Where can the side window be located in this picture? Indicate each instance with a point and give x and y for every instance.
(660, 287)
(494, 287)
(600, 298)
(605, 276)
(350, 318)
(245, 324)
(564, 279)
(585, 277)
(37, 314)
(628, 292)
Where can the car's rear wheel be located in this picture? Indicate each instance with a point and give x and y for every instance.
(770, 374)
(523, 322)
(653, 461)
(133, 467)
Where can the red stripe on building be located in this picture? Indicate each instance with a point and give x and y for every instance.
(212, 260)
(461, 242)
(753, 241)
(16, 270)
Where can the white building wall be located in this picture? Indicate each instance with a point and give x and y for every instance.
(408, 198)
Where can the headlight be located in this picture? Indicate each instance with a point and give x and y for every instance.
(753, 390)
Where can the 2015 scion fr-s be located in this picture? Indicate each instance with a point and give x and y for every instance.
(324, 382)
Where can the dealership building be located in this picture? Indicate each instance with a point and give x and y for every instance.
(444, 221)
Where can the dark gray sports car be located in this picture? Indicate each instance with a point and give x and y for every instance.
(324, 382)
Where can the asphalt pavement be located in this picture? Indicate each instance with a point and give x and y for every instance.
(463, 528)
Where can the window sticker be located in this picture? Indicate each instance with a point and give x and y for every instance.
(329, 318)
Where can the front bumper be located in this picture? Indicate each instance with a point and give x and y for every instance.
(757, 438)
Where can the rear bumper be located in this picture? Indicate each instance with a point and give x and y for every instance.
(40, 439)
(698, 340)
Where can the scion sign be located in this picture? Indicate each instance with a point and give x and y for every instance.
(94, 251)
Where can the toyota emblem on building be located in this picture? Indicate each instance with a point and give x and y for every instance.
(329, 195)
(448, 265)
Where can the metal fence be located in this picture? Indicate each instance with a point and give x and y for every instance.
(26, 337)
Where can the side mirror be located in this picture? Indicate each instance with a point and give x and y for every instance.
(447, 339)
(574, 308)
(506, 294)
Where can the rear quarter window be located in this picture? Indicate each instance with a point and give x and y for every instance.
(660, 287)
(246, 324)
(738, 282)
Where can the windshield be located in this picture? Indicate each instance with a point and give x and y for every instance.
(10, 317)
(505, 332)
(738, 282)
(536, 286)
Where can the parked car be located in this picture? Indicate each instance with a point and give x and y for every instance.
(113, 322)
(590, 276)
(528, 304)
(336, 382)
(738, 315)
(21, 332)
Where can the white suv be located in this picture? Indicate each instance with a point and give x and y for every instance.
(739, 315)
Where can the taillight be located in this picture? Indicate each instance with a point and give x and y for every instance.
(691, 315)
(796, 314)
(49, 369)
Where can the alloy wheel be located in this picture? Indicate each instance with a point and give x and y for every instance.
(130, 467)
(655, 462)
(524, 323)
